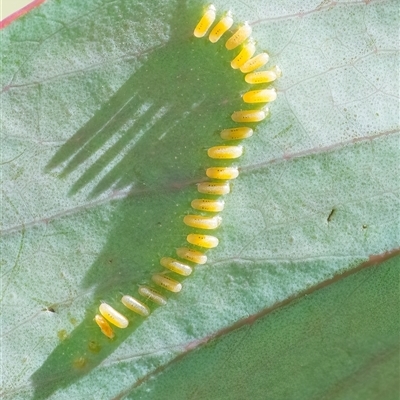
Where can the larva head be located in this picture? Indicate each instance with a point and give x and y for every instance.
(113, 316)
(260, 77)
(167, 283)
(206, 241)
(191, 255)
(206, 21)
(260, 96)
(225, 152)
(200, 222)
(238, 133)
(250, 115)
(248, 49)
(224, 173)
(277, 70)
(221, 27)
(176, 266)
(214, 188)
(152, 295)
(254, 63)
(135, 305)
(208, 205)
(239, 36)
(210, 7)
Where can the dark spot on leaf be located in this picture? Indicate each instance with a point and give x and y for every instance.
(62, 335)
(80, 362)
(94, 347)
(331, 215)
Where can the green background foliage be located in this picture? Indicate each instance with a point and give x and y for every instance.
(108, 108)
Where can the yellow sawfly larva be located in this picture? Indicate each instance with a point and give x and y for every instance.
(260, 96)
(216, 188)
(250, 115)
(206, 241)
(208, 205)
(245, 54)
(176, 266)
(167, 283)
(236, 133)
(152, 295)
(191, 255)
(104, 326)
(239, 36)
(113, 316)
(200, 222)
(256, 62)
(205, 22)
(135, 305)
(225, 152)
(222, 26)
(224, 173)
(263, 76)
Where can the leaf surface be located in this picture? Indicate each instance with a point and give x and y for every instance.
(108, 108)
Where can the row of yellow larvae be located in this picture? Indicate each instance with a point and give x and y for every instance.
(222, 175)
(243, 61)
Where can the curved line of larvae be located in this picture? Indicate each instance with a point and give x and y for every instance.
(220, 177)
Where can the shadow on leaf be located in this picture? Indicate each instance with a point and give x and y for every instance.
(150, 139)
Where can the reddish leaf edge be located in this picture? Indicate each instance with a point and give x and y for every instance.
(22, 11)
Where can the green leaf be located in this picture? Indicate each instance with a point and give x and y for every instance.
(323, 345)
(108, 108)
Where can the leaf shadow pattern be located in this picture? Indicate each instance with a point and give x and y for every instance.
(150, 137)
